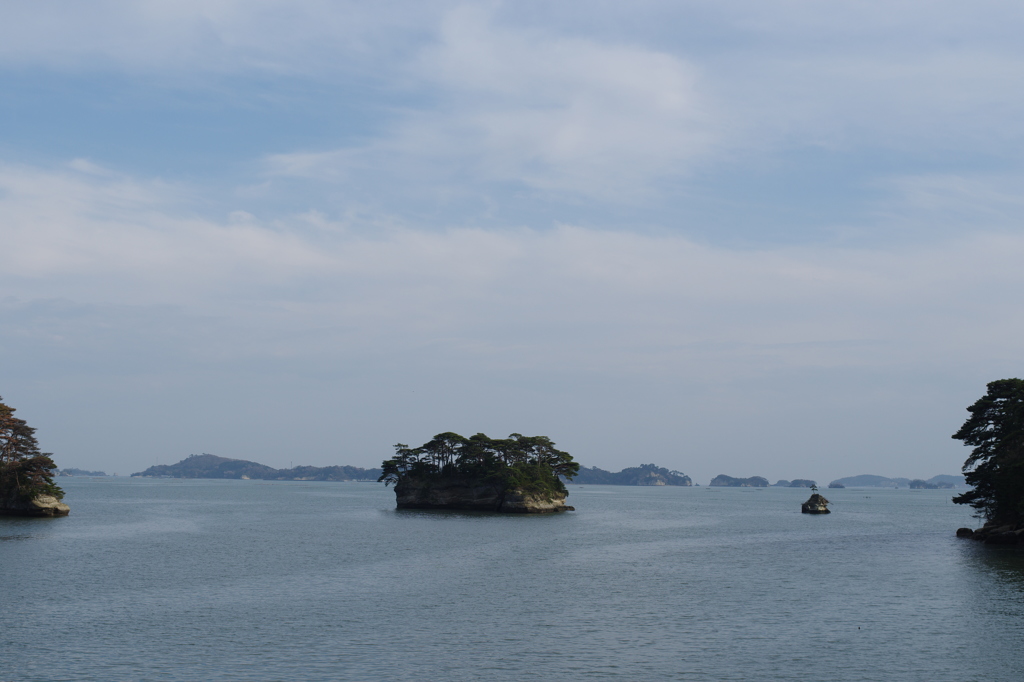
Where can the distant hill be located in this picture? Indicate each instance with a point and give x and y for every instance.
(645, 474)
(212, 466)
(870, 481)
(729, 482)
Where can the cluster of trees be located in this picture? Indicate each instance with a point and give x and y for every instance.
(995, 466)
(25, 472)
(519, 461)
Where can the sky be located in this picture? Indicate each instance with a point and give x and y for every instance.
(749, 238)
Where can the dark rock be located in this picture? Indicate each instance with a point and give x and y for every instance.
(964, 532)
(815, 504)
(1003, 538)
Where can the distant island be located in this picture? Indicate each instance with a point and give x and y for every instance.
(212, 466)
(918, 484)
(645, 474)
(71, 471)
(796, 483)
(519, 474)
(869, 481)
(729, 482)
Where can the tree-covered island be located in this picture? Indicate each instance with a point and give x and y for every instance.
(26, 474)
(519, 474)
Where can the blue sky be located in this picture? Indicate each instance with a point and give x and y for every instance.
(777, 239)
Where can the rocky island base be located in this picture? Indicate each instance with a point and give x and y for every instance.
(995, 534)
(471, 496)
(40, 505)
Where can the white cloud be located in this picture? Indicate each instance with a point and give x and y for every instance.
(296, 37)
(87, 223)
(942, 202)
(620, 300)
(604, 103)
(530, 108)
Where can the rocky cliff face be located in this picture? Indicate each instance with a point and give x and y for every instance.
(473, 496)
(41, 505)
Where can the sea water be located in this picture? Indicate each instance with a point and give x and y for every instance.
(257, 580)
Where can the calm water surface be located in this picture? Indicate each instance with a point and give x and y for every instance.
(253, 580)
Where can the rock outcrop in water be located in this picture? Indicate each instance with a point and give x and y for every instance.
(518, 474)
(995, 534)
(815, 504)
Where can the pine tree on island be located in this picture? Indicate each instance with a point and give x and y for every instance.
(518, 474)
(995, 467)
(26, 474)
(816, 503)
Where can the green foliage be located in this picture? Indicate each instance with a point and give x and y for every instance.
(25, 472)
(529, 463)
(995, 466)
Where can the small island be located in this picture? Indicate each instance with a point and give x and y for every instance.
(815, 504)
(26, 474)
(724, 481)
(517, 475)
(796, 483)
